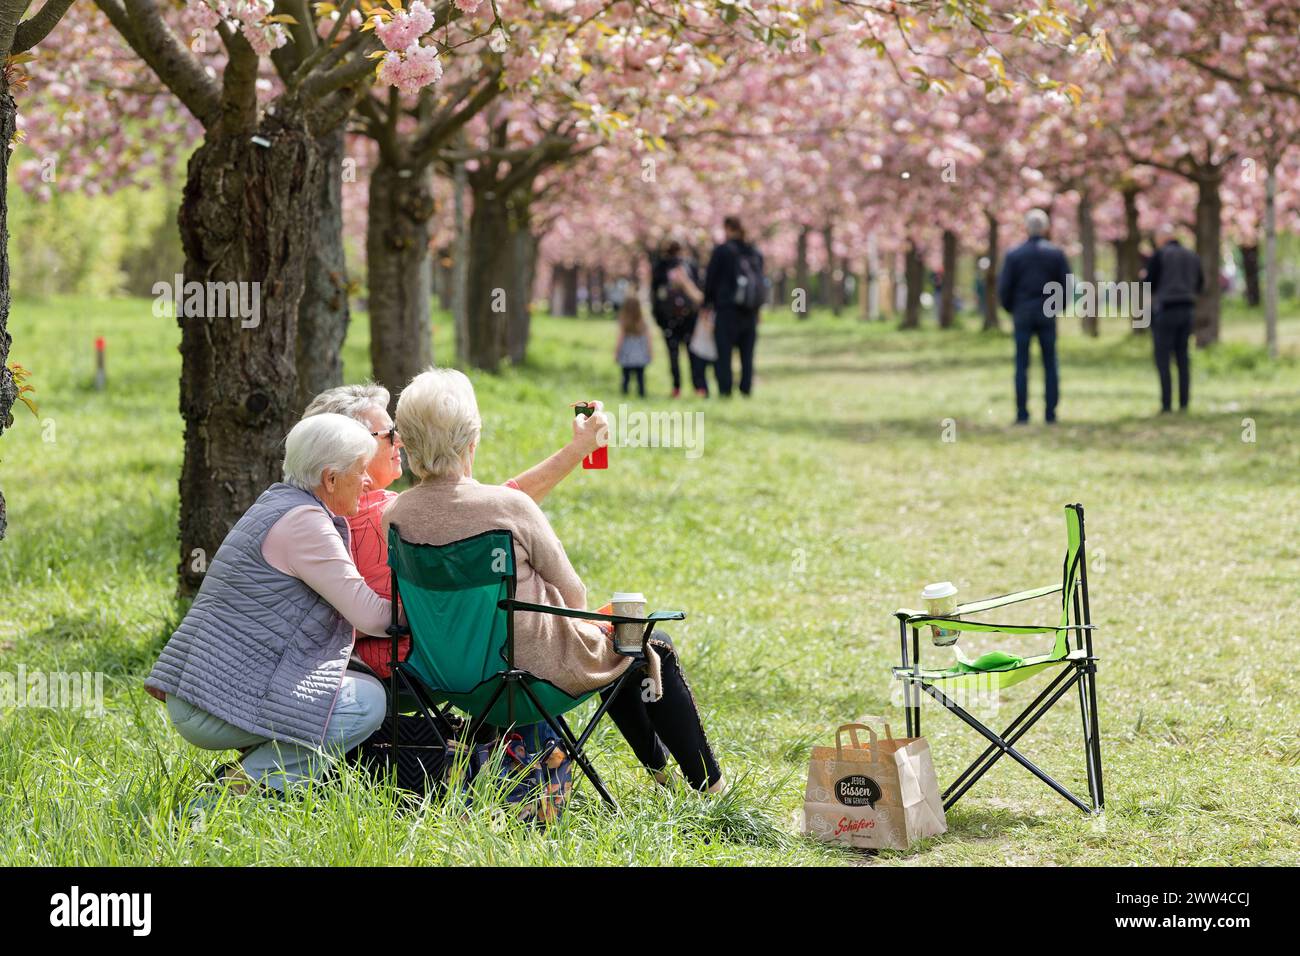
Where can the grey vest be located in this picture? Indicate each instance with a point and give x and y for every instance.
(259, 648)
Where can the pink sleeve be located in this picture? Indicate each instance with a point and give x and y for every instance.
(305, 544)
(511, 483)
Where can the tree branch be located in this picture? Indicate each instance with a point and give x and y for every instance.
(33, 31)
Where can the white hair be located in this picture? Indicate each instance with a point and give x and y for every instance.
(438, 417)
(1036, 222)
(324, 442)
(350, 400)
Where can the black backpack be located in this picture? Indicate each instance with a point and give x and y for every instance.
(672, 307)
(749, 279)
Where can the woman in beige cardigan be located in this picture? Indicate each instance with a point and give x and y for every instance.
(438, 418)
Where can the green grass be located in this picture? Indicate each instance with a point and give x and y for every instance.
(816, 509)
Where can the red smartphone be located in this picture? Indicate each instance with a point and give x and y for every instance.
(600, 457)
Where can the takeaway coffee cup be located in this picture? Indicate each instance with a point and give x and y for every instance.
(627, 637)
(941, 601)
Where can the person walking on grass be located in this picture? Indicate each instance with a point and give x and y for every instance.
(633, 351)
(733, 292)
(1031, 272)
(675, 298)
(1176, 280)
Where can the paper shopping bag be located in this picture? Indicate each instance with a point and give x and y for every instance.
(881, 795)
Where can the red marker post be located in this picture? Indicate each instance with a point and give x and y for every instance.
(600, 457)
(101, 375)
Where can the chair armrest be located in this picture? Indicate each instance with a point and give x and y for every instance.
(974, 607)
(953, 624)
(507, 604)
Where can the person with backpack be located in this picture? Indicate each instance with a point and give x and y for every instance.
(675, 299)
(734, 291)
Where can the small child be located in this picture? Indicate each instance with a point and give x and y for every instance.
(633, 350)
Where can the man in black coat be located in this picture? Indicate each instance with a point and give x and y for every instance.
(1034, 273)
(1176, 280)
(734, 290)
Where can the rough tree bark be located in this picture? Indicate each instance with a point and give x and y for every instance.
(914, 278)
(1209, 239)
(1129, 260)
(991, 274)
(948, 292)
(323, 312)
(1088, 243)
(247, 215)
(522, 270)
(399, 271)
(489, 278)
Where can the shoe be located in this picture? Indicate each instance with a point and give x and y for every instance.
(1051, 421)
(677, 393)
(701, 393)
(1021, 421)
(1166, 411)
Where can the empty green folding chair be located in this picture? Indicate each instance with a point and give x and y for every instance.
(459, 603)
(998, 670)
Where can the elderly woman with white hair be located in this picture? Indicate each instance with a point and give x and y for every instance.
(259, 663)
(368, 404)
(439, 420)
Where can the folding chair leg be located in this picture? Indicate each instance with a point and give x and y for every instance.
(1005, 747)
(1010, 729)
(574, 744)
(1092, 736)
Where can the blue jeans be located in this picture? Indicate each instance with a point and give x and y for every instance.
(358, 712)
(1026, 329)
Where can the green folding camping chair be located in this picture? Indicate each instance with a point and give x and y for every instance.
(999, 670)
(459, 603)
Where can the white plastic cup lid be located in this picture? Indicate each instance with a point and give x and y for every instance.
(627, 597)
(943, 589)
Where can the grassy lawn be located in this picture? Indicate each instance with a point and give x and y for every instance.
(815, 510)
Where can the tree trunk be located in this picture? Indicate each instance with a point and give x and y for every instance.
(8, 390)
(828, 291)
(569, 291)
(399, 274)
(801, 271)
(248, 216)
(914, 277)
(323, 312)
(443, 272)
(1270, 260)
(1250, 268)
(991, 274)
(948, 291)
(1209, 216)
(523, 262)
(489, 274)
(1128, 261)
(460, 264)
(869, 290)
(1088, 243)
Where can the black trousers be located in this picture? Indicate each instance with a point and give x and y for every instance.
(733, 331)
(640, 380)
(670, 725)
(1169, 334)
(680, 339)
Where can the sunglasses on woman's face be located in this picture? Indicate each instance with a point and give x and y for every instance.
(391, 435)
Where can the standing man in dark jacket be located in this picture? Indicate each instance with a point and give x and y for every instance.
(1176, 280)
(1025, 287)
(734, 290)
(674, 292)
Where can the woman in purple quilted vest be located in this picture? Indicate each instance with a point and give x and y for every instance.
(259, 663)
